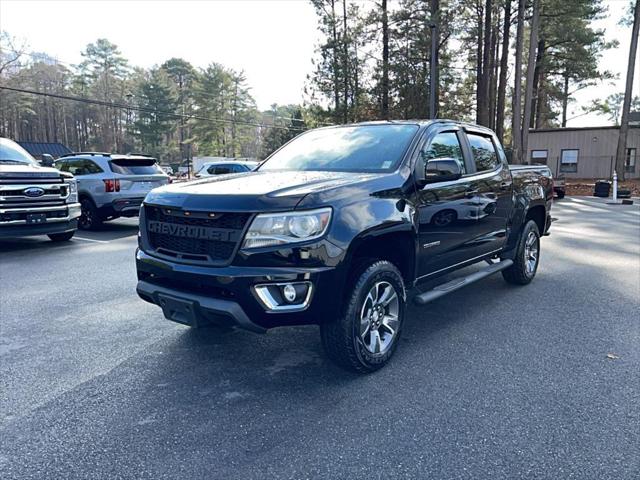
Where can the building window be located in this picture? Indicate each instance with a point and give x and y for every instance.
(630, 161)
(539, 157)
(569, 161)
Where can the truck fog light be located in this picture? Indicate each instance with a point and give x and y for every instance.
(289, 292)
(290, 296)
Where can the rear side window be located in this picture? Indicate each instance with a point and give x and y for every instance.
(80, 167)
(224, 169)
(126, 166)
(484, 152)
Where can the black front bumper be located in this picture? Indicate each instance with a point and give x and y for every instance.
(201, 295)
(196, 310)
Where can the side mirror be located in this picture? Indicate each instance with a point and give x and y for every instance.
(47, 160)
(442, 170)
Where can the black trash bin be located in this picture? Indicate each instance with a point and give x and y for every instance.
(602, 189)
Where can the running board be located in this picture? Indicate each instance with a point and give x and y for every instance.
(458, 283)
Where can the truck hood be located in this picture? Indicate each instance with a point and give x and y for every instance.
(253, 191)
(28, 171)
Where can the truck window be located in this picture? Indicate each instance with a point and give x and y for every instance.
(444, 145)
(484, 152)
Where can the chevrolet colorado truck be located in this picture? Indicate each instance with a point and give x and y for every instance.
(340, 227)
(35, 200)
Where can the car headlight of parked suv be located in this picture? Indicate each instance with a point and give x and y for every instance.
(73, 190)
(271, 229)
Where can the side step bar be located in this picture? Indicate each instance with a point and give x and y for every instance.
(458, 283)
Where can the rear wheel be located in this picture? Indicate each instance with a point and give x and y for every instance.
(89, 217)
(525, 263)
(366, 335)
(61, 237)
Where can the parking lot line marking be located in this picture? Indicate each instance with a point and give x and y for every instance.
(90, 239)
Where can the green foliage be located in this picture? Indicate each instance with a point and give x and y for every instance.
(157, 100)
(288, 122)
(611, 106)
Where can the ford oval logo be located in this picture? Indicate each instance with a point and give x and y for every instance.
(33, 192)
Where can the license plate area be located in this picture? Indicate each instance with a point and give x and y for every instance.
(35, 218)
(178, 310)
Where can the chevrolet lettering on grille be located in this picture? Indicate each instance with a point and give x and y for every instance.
(193, 231)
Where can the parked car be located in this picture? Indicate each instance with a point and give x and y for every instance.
(35, 200)
(210, 169)
(559, 186)
(110, 185)
(167, 169)
(336, 227)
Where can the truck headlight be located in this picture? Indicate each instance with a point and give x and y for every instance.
(271, 229)
(73, 191)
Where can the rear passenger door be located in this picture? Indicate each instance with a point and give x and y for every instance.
(490, 190)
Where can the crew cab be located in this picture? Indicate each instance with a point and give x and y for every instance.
(35, 200)
(111, 185)
(338, 227)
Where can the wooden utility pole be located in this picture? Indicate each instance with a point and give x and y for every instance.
(504, 63)
(435, 47)
(528, 97)
(621, 152)
(385, 62)
(516, 124)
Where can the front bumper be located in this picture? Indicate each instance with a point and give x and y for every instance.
(199, 295)
(59, 219)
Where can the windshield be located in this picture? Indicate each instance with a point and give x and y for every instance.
(363, 148)
(135, 166)
(12, 153)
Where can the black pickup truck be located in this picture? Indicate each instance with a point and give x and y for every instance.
(337, 227)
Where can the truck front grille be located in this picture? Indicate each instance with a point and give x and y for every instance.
(194, 236)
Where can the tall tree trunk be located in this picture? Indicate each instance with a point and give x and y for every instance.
(384, 112)
(491, 114)
(516, 129)
(626, 104)
(565, 98)
(504, 64)
(479, 57)
(336, 88)
(538, 80)
(435, 18)
(345, 64)
(533, 42)
(483, 92)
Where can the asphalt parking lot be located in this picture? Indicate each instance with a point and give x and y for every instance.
(493, 381)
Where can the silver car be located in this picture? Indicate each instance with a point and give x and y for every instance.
(211, 169)
(111, 185)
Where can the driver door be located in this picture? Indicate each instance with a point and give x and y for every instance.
(447, 212)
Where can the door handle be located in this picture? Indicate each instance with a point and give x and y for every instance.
(505, 185)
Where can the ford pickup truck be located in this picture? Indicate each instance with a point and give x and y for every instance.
(340, 227)
(35, 200)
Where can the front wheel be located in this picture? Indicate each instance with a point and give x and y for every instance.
(366, 335)
(525, 263)
(61, 237)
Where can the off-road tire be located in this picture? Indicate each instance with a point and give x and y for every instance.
(518, 274)
(341, 338)
(61, 237)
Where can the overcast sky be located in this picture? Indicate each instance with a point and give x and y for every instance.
(273, 41)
